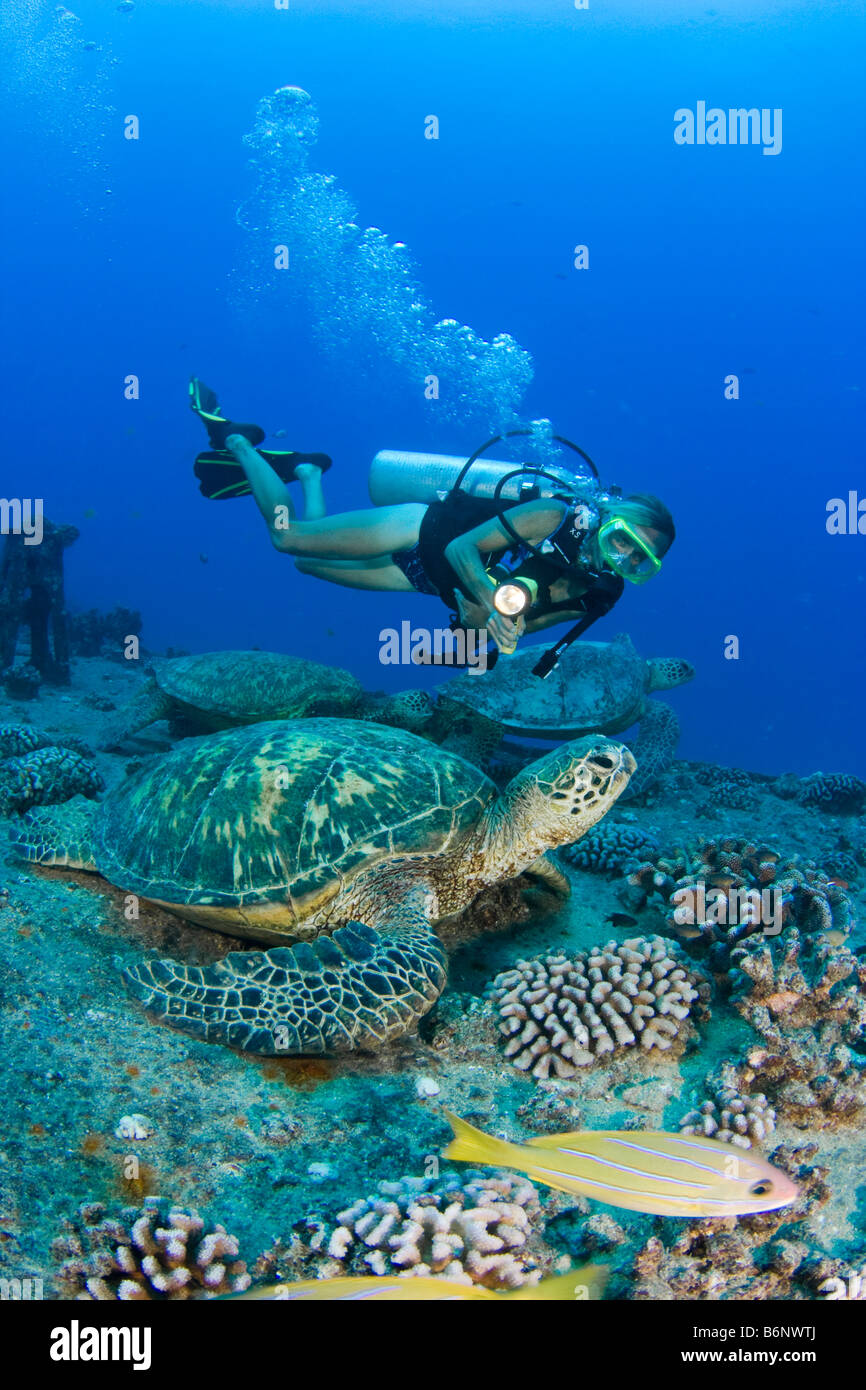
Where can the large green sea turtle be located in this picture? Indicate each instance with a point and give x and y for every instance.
(221, 690)
(352, 838)
(600, 687)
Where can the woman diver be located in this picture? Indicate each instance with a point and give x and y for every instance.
(570, 553)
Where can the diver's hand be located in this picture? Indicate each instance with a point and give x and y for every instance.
(506, 632)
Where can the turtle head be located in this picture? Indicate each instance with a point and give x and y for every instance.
(664, 672)
(558, 798)
(408, 709)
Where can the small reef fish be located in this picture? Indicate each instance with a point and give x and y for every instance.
(621, 919)
(834, 938)
(641, 1170)
(580, 1285)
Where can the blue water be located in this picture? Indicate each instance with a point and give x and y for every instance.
(556, 129)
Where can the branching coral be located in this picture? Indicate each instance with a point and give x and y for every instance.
(726, 890)
(713, 1259)
(807, 999)
(563, 1013)
(729, 1115)
(475, 1232)
(473, 1228)
(612, 848)
(150, 1254)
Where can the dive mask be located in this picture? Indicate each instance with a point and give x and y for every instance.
(626, 552)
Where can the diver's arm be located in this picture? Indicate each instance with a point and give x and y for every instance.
(533, 522)
(269, 490)
(543, 620)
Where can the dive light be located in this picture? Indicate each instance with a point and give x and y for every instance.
(515, 596)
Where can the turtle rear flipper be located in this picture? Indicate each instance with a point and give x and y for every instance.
(655, 745)
(57, 835)
(355, 989)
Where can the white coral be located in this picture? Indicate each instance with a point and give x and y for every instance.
(476, 1233)
(561, 1013)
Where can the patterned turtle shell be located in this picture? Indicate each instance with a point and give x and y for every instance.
(247, 687)
(283, 812)
(597, 685)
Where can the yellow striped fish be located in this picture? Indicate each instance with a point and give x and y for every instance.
(649, 1170)
(579, 1285)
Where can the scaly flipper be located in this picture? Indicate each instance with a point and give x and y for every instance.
(60, 836)
(145, 708)
(654, 747)
(356, 988)
(471, 735)
(550, 875)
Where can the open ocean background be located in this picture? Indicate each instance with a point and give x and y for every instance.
(556, 129)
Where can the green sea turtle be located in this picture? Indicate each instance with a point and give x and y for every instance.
(220, 690)
(600, 687)
(352, 838)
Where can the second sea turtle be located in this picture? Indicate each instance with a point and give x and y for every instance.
(220, 690)
(601, 687)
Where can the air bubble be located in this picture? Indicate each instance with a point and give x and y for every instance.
(359, 292)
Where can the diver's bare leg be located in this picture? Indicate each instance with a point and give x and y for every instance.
(373, 574)
(361, 535)
(269, 490)
(310, 478)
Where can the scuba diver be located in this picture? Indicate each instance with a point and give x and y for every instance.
(506, 554)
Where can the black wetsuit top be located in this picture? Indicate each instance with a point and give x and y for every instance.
(428, 570)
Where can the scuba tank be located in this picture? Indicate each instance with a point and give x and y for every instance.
(397, 477)
(405, 477)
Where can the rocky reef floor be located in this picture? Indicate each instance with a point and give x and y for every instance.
(102, 1105)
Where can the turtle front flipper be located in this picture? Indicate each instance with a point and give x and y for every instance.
(358, 988)
(145, 708)
(550, 876)
(655, 745)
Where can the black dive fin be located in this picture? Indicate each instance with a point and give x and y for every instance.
(203, 402)
(220, 475)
